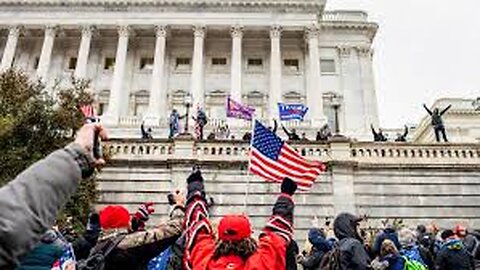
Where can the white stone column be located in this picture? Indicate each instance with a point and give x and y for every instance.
(157, 106)
(113, 113)
(46, 54)
(368, 87)
(275, 94)
(83, 52)
(236, 64)
(314, 91)
(10, 47)
(353, 107)
(197, 80)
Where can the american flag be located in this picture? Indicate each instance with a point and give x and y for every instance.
(273, 159)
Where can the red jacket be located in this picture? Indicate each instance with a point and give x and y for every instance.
(200, 240)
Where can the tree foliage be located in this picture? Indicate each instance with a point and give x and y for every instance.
(33, 124)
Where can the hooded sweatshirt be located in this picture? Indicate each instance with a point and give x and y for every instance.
(454, 256)
(320, 247)
(352, 253)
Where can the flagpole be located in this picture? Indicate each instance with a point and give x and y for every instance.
(247, 187)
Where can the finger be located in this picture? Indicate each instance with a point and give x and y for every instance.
(100, 163)
(102, 132)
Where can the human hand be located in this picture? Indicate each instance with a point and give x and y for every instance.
(178, 197)
(85, 137)
(144, 211)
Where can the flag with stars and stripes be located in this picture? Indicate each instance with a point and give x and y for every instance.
(273, 159)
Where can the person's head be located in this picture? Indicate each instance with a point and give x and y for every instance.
(460, 231)
(447, 235)
(407, 237)
(380, 130)
(115, 217)
(174, 111)
(388, 248)
(345, 225)
(235, 237)
(421, 228)
(149, 129)
(304, 135)
(294, 131)
(435, 111)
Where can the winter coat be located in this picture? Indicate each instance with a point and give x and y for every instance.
(138, 248)
(291, 256)
(200, 239)
(27, 212)
(454, 256)
(352, 253)
(387, 233)
(320, 246)
(395, 262)
(43, 256)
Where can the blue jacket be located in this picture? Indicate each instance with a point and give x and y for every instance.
(320, 247)
(395, 262)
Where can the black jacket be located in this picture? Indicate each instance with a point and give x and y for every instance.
(437, 116)
(352, 252)
(454, 256)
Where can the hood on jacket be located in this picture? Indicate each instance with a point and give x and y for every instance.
(454, 244)
(345, 226)
(317, 238)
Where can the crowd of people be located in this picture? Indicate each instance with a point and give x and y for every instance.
(115, 239)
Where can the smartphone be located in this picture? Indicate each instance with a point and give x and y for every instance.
(97, 148)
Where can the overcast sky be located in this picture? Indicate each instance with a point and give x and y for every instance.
(425, 50)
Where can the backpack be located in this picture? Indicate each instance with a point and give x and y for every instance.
(331, 260)
(413, 265)
(412, 253)
(96, 259)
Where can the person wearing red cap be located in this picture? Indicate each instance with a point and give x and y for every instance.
(137, 245)
(472, 244)
(235, 248)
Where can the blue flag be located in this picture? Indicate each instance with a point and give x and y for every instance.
(292, 111)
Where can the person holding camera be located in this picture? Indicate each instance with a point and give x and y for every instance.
(235, 248)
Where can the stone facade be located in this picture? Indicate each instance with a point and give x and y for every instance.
(145, 58)
(414, 182)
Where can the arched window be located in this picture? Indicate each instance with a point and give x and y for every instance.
(140, 102)
(102, 99)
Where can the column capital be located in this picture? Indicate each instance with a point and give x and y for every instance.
(312, 31)
(14, 30)
(275, 31)
(161, 30)
(344, 51)
(51, 30)
(124, 30)
(364, 51)
(87, 30)
(236, 31)
(199, 31)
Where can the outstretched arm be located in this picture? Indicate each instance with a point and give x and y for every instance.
(406, 132)
(277, 234)
(446, 109)
(427, 109)
(33, 199)
(275, 126)
(200, 242)
(373, 131)
(286, 131)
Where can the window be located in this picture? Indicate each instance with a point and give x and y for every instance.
(36, 62)
(182, 61)
(109, 63)
(219, 61)
(146, 63)
(255, 62)
(72, 63)
(327, 65)
(292, 64)
(102, 108)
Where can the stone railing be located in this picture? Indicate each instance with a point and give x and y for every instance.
(336, 150)
(345, 16)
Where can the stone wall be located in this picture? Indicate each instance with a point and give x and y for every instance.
(366, 178)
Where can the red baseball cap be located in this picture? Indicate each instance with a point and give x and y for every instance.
(234, 228)
(114, 217)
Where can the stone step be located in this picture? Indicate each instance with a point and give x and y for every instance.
(414, 201)
(408, 189)
(432, 212)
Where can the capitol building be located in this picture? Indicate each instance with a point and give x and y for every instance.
(145, 58)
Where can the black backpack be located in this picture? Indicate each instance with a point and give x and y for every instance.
(96, 259)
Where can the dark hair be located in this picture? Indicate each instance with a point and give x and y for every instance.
(446, 234)
(243, 248)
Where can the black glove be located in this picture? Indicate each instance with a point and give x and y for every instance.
(288, 186)
(195, 185)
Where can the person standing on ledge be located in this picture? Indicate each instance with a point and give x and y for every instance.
(174, 123)
(378, 136)
(437, 121)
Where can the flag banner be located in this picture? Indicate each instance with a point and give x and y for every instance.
(273, 159)
(238, 110)
(291, 111)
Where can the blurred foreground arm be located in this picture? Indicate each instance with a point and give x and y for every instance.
(30, 203)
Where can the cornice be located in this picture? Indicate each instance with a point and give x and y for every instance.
(369, 28)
